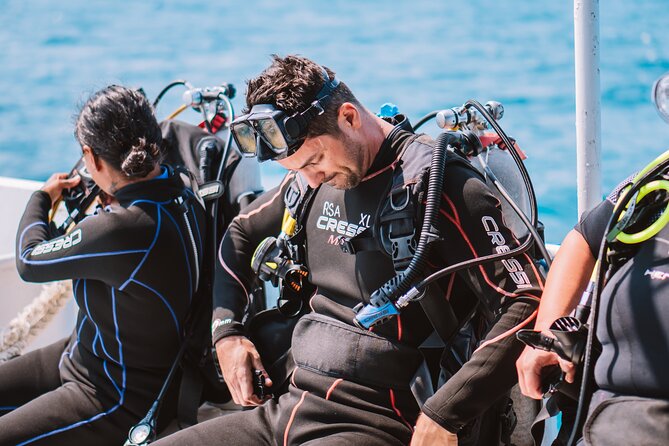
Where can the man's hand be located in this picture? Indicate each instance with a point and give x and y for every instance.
(429, 433)
(238, 358)
(57, 182)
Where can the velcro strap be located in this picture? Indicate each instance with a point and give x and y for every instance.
(333, 348)
(365, 241)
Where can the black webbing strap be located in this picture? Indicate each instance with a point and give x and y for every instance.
(190, 392)
(440, 313)
(365, 241)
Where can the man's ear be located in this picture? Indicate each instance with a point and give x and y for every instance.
(349, 116)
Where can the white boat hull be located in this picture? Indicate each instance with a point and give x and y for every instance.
(16, 293)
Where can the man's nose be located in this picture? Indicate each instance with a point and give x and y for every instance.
(314, 179)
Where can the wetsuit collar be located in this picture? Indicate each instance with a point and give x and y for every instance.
(390, 149)
(165, 187)
(164, 173)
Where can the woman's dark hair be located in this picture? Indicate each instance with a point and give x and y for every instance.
(291, 84)
(119, 125)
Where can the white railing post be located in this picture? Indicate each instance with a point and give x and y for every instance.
(588, 118)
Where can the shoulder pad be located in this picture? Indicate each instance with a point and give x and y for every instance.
(615, 193)
(297, 195)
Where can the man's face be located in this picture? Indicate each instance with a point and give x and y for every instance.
(337, 161)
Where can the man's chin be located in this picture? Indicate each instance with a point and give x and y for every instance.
(348, 183)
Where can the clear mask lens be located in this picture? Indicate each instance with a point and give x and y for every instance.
(272, 133)
(246, 138)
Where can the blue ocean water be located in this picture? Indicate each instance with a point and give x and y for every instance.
(420, 55)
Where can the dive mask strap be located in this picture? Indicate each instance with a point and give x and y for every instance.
(297, 129)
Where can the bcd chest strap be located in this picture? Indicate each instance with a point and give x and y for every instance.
(394, 228)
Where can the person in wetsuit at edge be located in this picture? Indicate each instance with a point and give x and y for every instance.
(352, 385)
(134, 265)
(630, 404)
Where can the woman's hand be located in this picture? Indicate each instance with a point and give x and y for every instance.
(529, 365)
(57, 182)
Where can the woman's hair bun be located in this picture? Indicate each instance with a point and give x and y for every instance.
(140, 160)
(119, 125)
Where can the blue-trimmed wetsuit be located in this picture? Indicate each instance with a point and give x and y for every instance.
(352, 386)
(135, 269)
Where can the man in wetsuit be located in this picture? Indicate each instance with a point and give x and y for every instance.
(631, 403)
(352, 385)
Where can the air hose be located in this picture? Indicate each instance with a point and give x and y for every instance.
(386, 301)
(424, 119)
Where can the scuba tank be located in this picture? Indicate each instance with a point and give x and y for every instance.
(502, 163)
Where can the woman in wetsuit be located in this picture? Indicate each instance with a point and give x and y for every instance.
(630, 403)
(135, 268)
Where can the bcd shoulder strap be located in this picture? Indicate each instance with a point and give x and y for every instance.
(297, 199)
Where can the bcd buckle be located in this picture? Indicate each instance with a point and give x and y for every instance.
(346, 245)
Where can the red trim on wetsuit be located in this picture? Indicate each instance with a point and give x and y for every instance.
(332, 387)
(455, 220)
(397, 411)
(508, 332)
(379, 172)
(450, 286)
(292, 418)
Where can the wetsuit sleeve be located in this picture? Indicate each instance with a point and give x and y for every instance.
(472, 226)
(593, 224)
(100, 247)
(234, 276)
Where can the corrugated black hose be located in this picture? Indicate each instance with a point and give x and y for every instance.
(428, 232)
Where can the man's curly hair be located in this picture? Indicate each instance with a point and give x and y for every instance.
(291, 84)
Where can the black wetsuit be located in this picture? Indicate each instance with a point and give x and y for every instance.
(367, 400)
(631, 405)
(135, 269)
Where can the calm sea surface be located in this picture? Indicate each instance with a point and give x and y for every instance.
(420, 55)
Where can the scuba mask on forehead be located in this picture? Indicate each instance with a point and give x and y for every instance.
(270, 133)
